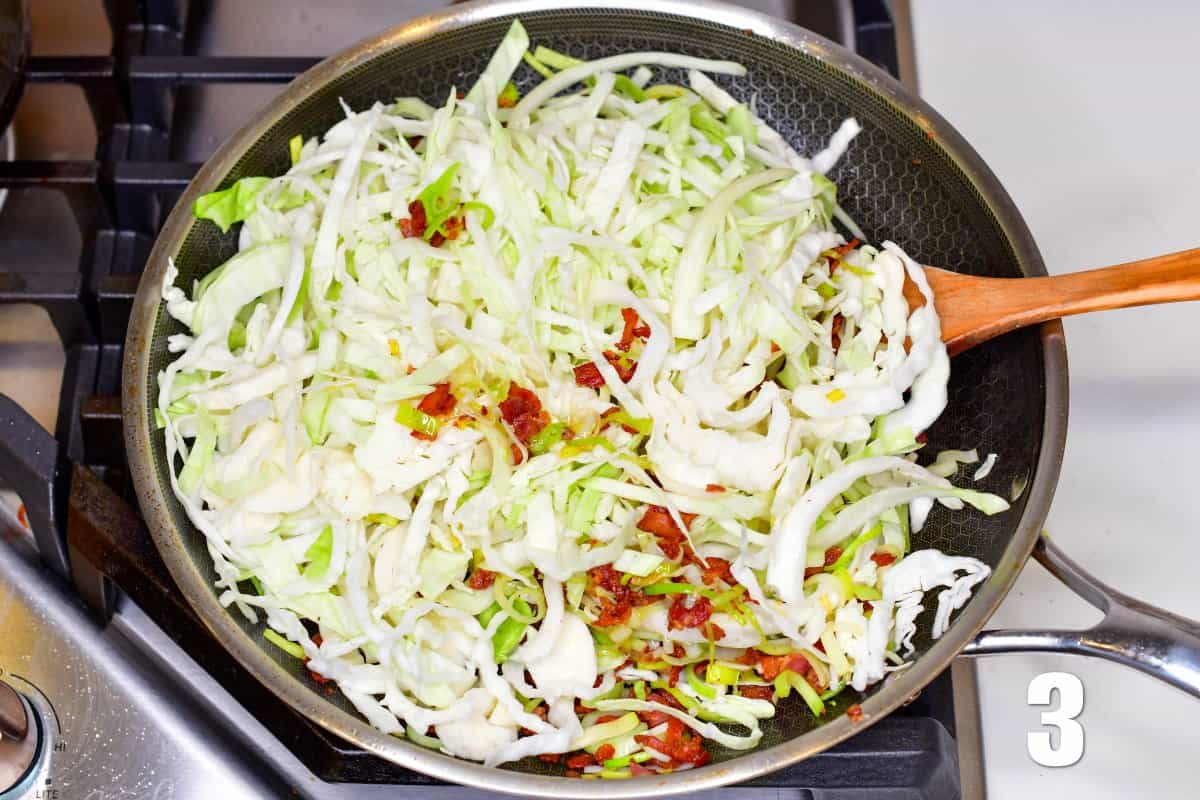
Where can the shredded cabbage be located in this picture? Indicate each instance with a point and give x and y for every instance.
(522, 402)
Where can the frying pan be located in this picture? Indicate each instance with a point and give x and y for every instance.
(909, 177)
(14, 53)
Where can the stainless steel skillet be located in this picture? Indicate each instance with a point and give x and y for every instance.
(908, 177)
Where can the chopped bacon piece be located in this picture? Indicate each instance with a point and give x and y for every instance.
(835, 330)
(758, 692)
(414, 226)
(453, 226)
(482, 579)
(425, 437)
(771, 666)
(606, 577)
(843, 249)
(831, 557)
(413, 141)
(854, 712)
(714, 487)
(438, 403)
(774, 347)
(673, 675)
(634, 329)
(522, 410)
(883, 559)
(682, 615)
(580, 761)
(605, 751)
(588, 375)
(624, 366)
(609, 413)
(657, 520)
(617, 606)
(550, 758)
(517, 454)
(714, 631)
(637, 770)
(718, 568)
(681, 744)
(316, 676)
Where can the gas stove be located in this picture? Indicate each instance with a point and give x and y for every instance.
(109, 685)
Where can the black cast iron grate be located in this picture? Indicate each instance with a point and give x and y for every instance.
(118, 200)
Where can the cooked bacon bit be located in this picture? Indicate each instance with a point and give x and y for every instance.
(609, 413)
(637, 770)
(680, 743)
(758, 692)
(831, 557)
(580, 761)
(437, 240)
(606, 577)
(673, 675)
(439, 402)
(522, 410)
(843, 249)
(604, 752)
(883, 559)
(713, 631)
(634, 329)
(482, 579)
(517, 453)
(681, 615)
(922, 437)
(774, 347)
(671, 540)
(835, 330)
(717, 569)
(454, 226)
(907, 344)
(413, 141)
(715, 487)
(424, 437)
(624, 366)
(460, 94)
(617, 606)
(655, 718)
(316, 676)
(770, 666)
(854, 712)
(588, 375)
(550, 758)
(414, 226)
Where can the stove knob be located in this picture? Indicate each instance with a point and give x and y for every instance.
(21, 751)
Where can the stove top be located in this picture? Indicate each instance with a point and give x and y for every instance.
(121, 690)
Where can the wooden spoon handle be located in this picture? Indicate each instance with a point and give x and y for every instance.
(978, 309)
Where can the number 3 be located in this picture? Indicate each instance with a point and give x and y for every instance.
(1070, 732)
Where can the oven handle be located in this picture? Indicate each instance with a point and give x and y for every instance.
(33, 466)
(1133, 633)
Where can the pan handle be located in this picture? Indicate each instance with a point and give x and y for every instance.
(1133, 633)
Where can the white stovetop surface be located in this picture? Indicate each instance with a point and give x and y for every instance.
(1086, 112)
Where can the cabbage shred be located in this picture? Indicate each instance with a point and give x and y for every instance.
(519, 403)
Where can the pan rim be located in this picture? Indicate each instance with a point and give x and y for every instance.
(139, 429)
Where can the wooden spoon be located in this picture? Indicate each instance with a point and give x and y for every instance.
(973, 310)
